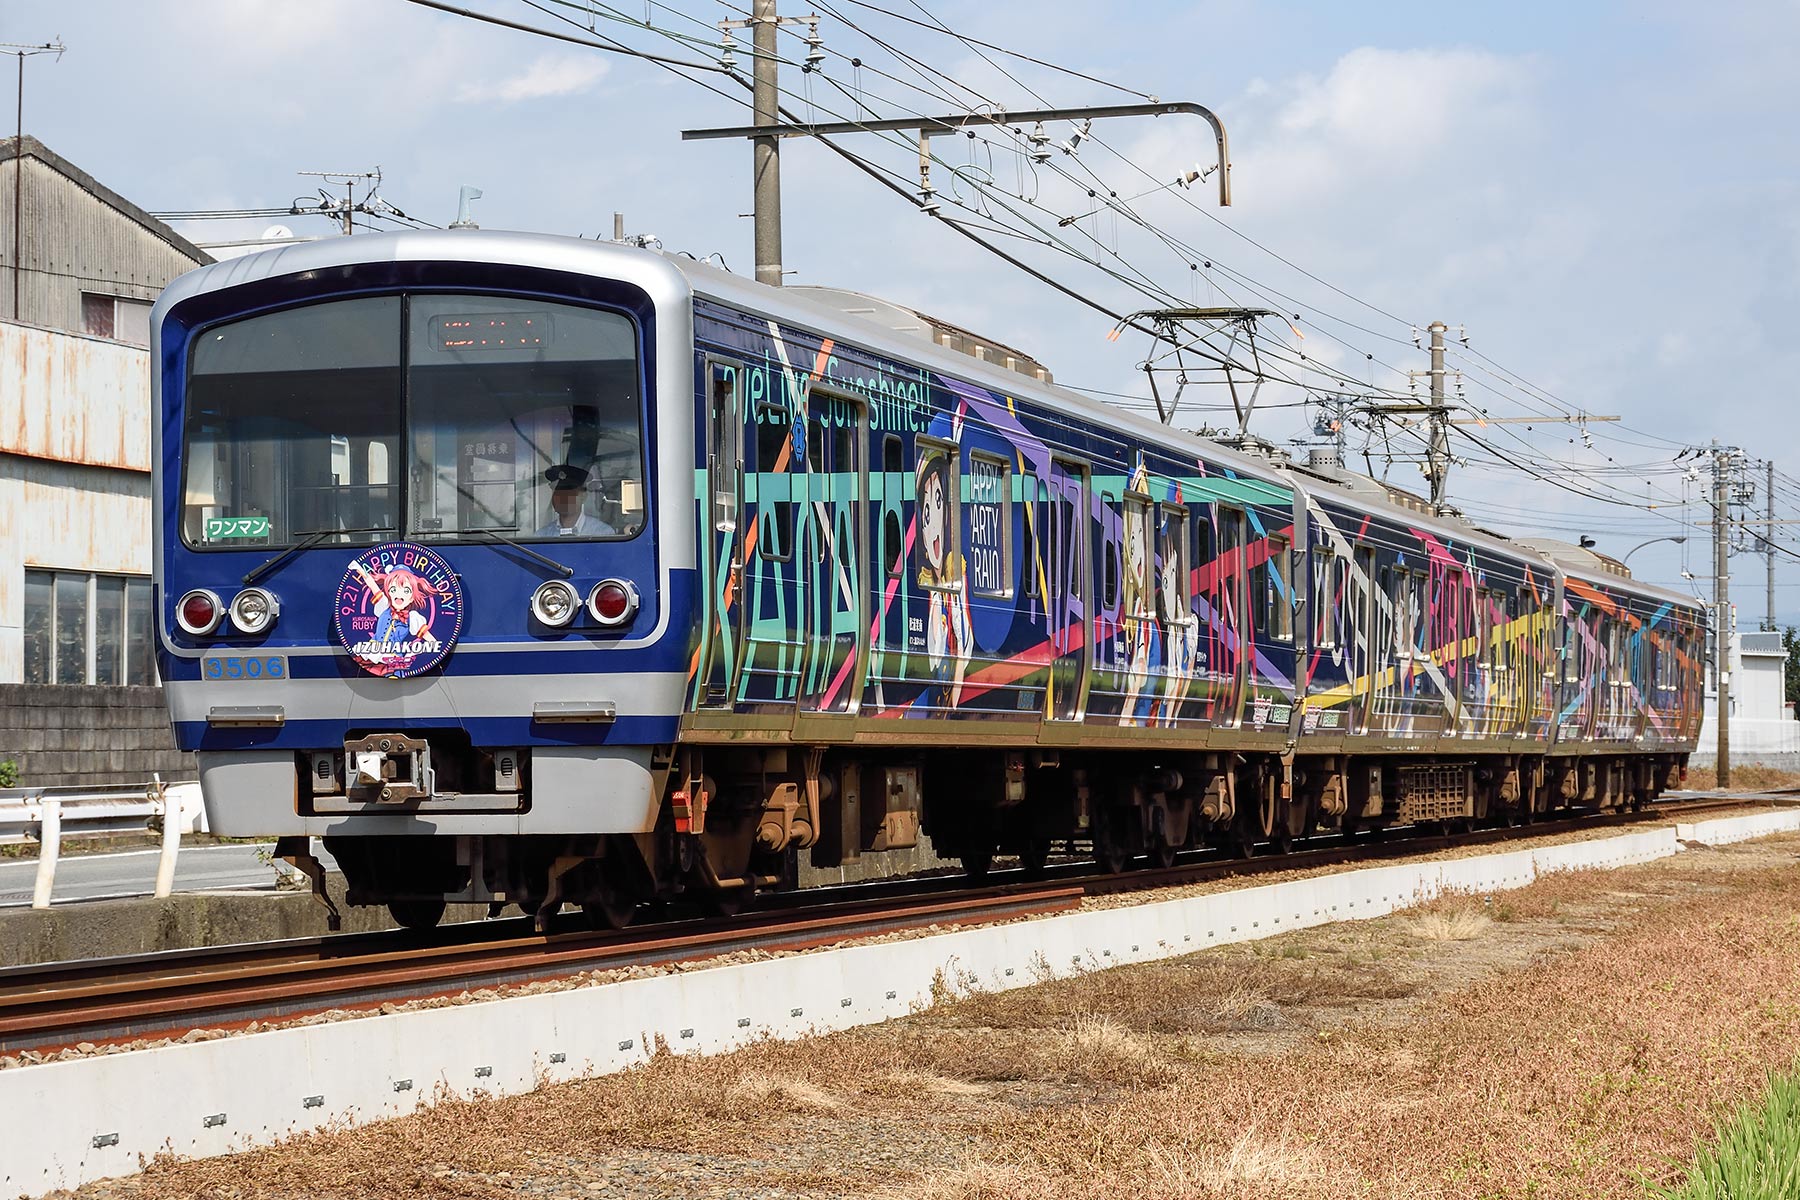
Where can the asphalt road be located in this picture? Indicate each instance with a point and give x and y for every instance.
(133, 873)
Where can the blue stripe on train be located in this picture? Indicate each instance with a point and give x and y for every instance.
(483, 731)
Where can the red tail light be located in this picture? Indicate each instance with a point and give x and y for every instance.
(612, 601)
(198, 612)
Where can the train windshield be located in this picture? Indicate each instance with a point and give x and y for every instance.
(435, 417)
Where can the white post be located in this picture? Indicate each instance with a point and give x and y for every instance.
(49, 843)
(171, 841)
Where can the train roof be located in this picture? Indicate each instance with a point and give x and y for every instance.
(825, 311)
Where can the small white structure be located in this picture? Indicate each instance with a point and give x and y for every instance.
(1763, 728)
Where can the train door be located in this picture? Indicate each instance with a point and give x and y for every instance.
(833, 595)
(889, 596)
(717, 669)
(1236, 638)
(774, 584)
(1362, 645)
(1110, 659)
(987, 545)
(1067, 604)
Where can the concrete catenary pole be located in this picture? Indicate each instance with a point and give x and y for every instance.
(1769, 543)
(1722, 601)
(767, 150)
(1438, 457)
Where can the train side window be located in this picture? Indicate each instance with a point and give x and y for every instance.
(774, 454)
(1173, 580)
(1502, 635)
(1421, 603)
(987, 525)
(1281, 590)
(1259, 594)
(1205, 541)
(1405, 610)
(727, 437)
(1109, 569)
(1136, 546)
(936, 496)
(1482, 628)
(1035, 494)
(893, 538)
(1324, 598)
(893, 543)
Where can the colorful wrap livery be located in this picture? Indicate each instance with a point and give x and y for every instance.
(587, 572)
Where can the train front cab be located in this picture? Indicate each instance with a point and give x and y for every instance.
(421, 594)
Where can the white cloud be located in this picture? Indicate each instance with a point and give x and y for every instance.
(550, 75)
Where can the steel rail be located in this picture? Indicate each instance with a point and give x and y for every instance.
(55, 1005)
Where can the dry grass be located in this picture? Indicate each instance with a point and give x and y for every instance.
(1753, 777)
(1453, 925)
(1245, 1164)
(1398, 1065)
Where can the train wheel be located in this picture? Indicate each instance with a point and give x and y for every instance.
(610, 907)
(1110, 850)
(729, 902)
(1284, 840)
(1162, 854)
(1034, 857)
(976, 864)
(416, 914)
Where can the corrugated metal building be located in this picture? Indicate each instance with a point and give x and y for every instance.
(77, 696)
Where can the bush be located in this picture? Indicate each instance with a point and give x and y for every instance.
(1756, 1155)
(9, 773)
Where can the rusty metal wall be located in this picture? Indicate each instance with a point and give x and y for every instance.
(75, 242)
(74, 398)
(68, 518)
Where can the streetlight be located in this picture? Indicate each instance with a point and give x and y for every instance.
(1678, 539)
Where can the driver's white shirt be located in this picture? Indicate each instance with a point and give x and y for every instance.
(586, 525)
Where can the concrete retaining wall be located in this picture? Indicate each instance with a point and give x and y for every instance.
(89, 736)
(1739, 829)
(92, 1118)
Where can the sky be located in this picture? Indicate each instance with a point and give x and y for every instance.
(1603, 198)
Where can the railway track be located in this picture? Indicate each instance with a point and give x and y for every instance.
(56, 1005)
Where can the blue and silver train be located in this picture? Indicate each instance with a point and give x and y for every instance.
(544, 571)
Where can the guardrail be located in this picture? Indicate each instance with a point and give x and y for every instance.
(48, 815)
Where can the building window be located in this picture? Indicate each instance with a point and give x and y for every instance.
(82, 628)
(118, 317)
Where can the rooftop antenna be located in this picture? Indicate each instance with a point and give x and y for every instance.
(463, 219)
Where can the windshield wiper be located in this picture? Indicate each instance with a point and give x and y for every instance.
(308, 540)
(527, 551)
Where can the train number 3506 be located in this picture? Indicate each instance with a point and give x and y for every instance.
(238, 666)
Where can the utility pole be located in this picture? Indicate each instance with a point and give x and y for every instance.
(1437, 415)
(766, 162)
(1438, 456)
(345, 211)
(1769, 542)
(1721, 457)
(18, 210)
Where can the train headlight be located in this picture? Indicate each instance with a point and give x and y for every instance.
(253, 610)
(555, 603)
(198, 612)
(613, 601)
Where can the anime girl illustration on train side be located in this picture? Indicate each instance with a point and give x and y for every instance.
(947, 634)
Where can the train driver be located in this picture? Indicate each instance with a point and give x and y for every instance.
(568, 494)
